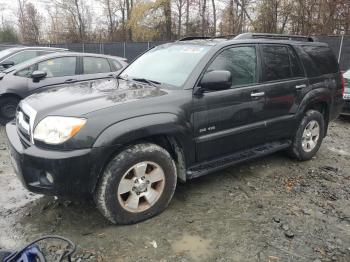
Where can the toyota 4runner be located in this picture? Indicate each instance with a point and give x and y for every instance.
(179, 111)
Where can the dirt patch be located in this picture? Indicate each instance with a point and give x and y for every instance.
(271, 209)
(197, 248)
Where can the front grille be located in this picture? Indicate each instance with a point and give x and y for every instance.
(23, 124)
(25, 116)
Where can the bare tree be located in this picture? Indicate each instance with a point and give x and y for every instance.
(29, 21)
(203, 12)
(180, 5)
(214, 17)
(111, 8)
(77, 18)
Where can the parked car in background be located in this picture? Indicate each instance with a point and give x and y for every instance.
(16, 55)
(40, 73)
(346, 108)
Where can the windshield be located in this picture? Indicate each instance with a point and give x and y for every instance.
(169, 64)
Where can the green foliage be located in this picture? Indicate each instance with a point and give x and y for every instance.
(8, 35)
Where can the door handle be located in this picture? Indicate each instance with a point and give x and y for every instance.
(300, 86)
(258, 94)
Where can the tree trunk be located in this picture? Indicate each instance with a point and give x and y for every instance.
(187, 15)
(204, 5)
(214, 17)
(231, 18)
(110, 21)
(167, 14)
(129, 5)
(180, 19)
(81, 25)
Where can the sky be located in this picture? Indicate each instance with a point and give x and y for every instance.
(8, 8)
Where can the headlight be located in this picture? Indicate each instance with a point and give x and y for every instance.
(57, 129)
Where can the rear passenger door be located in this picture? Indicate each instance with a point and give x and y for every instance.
(95, 68)
(283, 81)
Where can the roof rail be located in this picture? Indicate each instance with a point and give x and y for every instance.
(188, 38)
(274, 36)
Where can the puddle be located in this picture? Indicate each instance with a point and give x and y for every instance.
(196, 247)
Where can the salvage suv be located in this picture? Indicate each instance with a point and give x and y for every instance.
(180, 111)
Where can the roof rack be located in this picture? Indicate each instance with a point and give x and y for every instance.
(188, 38)
(274, 36)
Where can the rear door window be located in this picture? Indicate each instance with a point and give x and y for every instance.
(240, 61)
(57, 67)
(276, 63)
(95, 65)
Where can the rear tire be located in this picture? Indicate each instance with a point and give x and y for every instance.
(8, 106)
(309, 136)
(137, 184)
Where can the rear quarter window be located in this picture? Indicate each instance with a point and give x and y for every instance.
(322, 58)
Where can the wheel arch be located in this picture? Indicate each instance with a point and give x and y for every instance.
(319, 100)
(5, 95)
(165, 130)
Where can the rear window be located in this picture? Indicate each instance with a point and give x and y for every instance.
(95, 65)
(323, 60)
(280, 62)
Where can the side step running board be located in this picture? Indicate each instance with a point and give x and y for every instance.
(241, 156)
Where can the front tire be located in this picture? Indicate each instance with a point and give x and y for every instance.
(137, 184)
(309, 136)
(8, 107)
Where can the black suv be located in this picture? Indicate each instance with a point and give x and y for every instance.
(179, 111)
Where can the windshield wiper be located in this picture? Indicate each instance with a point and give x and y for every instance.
(122, 78)
(144, 80)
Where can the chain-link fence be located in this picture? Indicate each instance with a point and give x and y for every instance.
(339, 44)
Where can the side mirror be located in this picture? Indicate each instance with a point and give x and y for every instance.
(216, 80)
(7, 64)
(38, 75)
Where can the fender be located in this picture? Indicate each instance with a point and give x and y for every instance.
(314, 96)
(126, 131)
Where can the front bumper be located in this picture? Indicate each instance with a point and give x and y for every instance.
(72, 172)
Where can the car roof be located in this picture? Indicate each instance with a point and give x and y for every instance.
(56, 55)
(21, 48)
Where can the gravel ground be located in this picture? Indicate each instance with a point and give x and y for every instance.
(271, 209)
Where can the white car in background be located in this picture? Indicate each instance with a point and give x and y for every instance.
(346, 108)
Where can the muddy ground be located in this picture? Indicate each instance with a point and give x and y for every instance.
(272, 209)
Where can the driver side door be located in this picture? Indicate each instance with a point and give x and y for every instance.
(61, 70)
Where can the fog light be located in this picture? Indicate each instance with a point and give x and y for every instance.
(49, 177)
